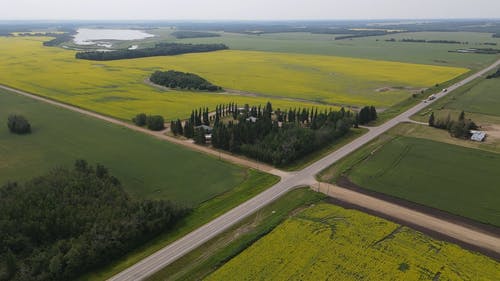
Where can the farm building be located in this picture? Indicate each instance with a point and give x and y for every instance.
(206, 129)
(477, 135)
(208, 138)
(252, 119)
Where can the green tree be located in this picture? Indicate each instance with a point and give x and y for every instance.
(461, 117)
(155, 122)
(199, 136)
(432, 120)
(140, 119)
(18, 124)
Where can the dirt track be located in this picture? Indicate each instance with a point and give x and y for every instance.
(482, 241)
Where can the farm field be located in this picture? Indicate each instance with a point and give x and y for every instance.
(117, 88)
(148, 168)
(456, 179)
(367, 48)
(482, 97)
(327, 242)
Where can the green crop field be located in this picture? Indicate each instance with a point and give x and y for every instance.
(452, 178)
(326, 242)
(149, 168)
(117, 88)
(482, 97)
(367, 48)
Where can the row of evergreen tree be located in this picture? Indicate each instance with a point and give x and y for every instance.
(366, 115)
(457, 128)
(273, 136)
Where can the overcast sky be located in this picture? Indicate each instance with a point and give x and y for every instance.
(247, 10)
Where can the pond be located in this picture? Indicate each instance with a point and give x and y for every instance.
(88, 36)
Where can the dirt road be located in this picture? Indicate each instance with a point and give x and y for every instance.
(467, 235)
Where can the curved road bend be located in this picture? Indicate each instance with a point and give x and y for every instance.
(289, 181)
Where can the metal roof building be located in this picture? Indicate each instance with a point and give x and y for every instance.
(477, 135)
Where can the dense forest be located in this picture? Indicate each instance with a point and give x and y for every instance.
(161, 49)
(193, 34)
(70, 221)
(457, 128)
(268, 135)
(181, 80)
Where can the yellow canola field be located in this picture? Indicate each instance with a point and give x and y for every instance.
(117, 88)
(326, 242)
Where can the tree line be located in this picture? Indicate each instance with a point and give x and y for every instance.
(410, 40)
(160, 49)
(183, 34)
(457, 128)
(366, 115)
(59, 39)
(268, 135)
(181, 80)
(152, 122)
(70, 221)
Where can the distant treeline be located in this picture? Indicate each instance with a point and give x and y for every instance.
(38, 34)
(161, 49)
(193, 34)
(59, 39)
(359, 34)
(324, 27)
(494, 75)
(180, 80)
(70, 221)
(410, 40)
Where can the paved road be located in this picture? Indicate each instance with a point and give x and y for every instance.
(289, 181)
(305, 177)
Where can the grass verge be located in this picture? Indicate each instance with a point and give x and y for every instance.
(213, 254)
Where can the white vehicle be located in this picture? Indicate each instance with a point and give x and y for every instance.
(432, 97)
(445, 90)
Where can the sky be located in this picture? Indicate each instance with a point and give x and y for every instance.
(246, 10)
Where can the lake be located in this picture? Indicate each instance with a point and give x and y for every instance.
(88, 36)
